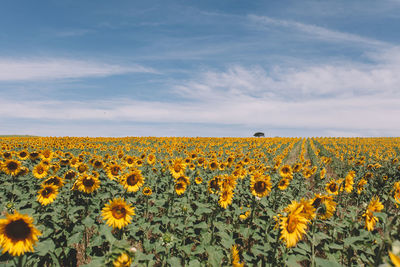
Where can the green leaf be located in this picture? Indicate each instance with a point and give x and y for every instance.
(194, 263)
(45, 247)
(74, 239)
(88, 222)
(326, 263)
(215, 256)
(292, 261)
(106, 231)
(174, 261)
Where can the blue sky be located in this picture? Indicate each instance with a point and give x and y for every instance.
(200, 68)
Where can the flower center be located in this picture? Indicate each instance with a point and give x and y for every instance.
(118, 212)
(132, 180)
(12, 166)
(292, 223)
(88, 182)
(259, 187)
(46, 192)
(17, 230)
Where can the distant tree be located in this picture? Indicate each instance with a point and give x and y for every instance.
(259, 134)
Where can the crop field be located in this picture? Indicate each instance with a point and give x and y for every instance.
(139, 201)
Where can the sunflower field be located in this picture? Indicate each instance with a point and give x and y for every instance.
(147, 201)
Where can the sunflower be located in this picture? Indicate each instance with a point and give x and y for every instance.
(397, 192)
(293, 227)
(151, 159)
(395, 259)
(54, 180)
(297, 167)
(23, 171)
(374, 206)
(69, 175)
(322, 173)
(213, 185)
(40, 171)
(64, 162)
(227, 182)
(244, 216)
(87, 183)
(34, 155)
(23, 155)
(180, 187)
(132, 180)
(47, 194)
(225, 197)
(235, 257)
(370, 220)
(307, 173)
(283, 183)
(349, 181)
(198, 180)
(123, 260)
(332, 187)
(47, 154)
(11, 167)
(147, 191)
(113, 171)
(213, 165)
(117, 213)
(360, 185)
(286, 171)
(82, 168)
(177, 168)
(324, 205)
(260, 185)
(18, 234)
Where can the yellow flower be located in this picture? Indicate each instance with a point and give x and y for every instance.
(11, 167)
(47, 194)
(286, 171)
(294, 225)
(40, 171)
(18, 234)
(133, 180)
(123, 260)
(324, 205)
(395, 259)
(235, 257)
(260, 185)
(283, 183)
(87, 183)
(198, 180)
(332, 187)
(117, 213)
(147, 191)
(225, 198)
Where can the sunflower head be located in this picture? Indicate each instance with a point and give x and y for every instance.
(87, 183)
(117, 213)
(47, 194)
(147, 191)
(133, 180)
(11, 167)
(260, 185)
(18, 234)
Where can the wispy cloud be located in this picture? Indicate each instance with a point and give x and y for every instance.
(317, 31)
(74, 32)
(61, 68)
(337, 80)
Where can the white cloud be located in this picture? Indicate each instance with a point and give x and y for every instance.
(317, 31)
(60, 68)
(341, 80)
